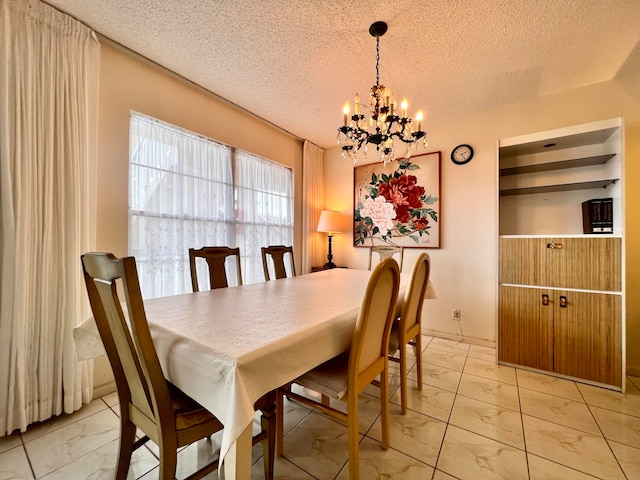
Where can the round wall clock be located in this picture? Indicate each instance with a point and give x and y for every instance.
(462, 154)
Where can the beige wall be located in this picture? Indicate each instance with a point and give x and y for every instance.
(464, 270)
(128, 82)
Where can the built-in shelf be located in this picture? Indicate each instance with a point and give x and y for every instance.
(565, 187)
(542, 166)
(563, 138)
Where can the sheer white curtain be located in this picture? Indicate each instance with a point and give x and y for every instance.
(48, 106)
(314, 243)
(189, 191)
(264, 210)
(180, 197)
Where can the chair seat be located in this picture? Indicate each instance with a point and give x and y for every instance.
(188, 412)
(331, 378)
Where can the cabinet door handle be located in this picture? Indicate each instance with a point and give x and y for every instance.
(554, 245)
(563, 301)
(545, 299)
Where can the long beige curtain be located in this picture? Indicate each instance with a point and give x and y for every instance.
(314, 243)
(48, 110)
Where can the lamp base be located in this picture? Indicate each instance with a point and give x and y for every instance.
(329, 263)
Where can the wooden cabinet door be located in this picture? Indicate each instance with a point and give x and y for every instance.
(583, 263)
(587, 336)
(567, 262)
(520, 260)
(525, 328)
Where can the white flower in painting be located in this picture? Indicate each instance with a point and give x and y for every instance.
(380, 212)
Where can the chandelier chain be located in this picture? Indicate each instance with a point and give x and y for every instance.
(378, 61)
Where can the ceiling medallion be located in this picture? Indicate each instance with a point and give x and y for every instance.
(354, 136)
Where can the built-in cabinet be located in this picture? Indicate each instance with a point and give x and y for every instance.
(561, 292)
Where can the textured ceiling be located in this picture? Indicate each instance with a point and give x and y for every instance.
(295, 63)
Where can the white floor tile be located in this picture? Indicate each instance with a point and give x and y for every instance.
(559, 410)
(430, 401)
(490, 370)
(413, 434)
(42, 428)
(490, 391)
(580, 451)
(378, 463)
(618, 426)
(10, 441)
(468, 456)
(64, 445)
(543, 469)
(14, 465)
(627, 403)
(101, 464)
(318, 445)
(489, 420)
(629, 459)
(548, 384)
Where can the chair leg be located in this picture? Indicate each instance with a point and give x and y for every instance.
(280, 393)
(418, 342)
(127, 439)
(168, 461)
(403, 379)
(384, 406)
(354, 457)
(268, 422)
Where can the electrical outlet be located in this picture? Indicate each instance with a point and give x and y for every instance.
(456, 313)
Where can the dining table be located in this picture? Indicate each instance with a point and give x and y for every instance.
(228, 347)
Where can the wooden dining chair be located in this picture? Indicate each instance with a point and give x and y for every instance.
(348, 374)
(216, 258)
(277, 254)
(386, 251)
(163, 412)
(406, 330)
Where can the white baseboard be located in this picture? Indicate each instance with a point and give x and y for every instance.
(104, 389)
(460, 338)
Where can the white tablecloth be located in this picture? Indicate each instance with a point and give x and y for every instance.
(228, 347)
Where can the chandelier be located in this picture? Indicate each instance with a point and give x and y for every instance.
(354, 136)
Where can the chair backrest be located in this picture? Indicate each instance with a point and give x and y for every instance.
(386, 251)
(128, 343)
(414, 297)
(370, 343)
(277, 253)
(216, 258)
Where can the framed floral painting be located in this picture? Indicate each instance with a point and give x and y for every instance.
(398, 204)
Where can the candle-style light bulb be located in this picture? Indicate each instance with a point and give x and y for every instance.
(356, 104)
(404, 106)
(419, 117)
(345, 110)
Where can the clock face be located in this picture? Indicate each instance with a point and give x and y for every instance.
(462, 154)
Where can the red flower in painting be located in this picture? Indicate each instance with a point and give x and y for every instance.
(420, 224)
(404, 193)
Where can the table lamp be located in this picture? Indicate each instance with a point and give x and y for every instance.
(330, 223)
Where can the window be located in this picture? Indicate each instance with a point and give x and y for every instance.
(183, 193)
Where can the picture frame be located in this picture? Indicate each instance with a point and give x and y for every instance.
(399, 203)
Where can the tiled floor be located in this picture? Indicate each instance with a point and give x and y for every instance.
(472, 420)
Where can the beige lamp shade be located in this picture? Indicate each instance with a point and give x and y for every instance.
(330, 222)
